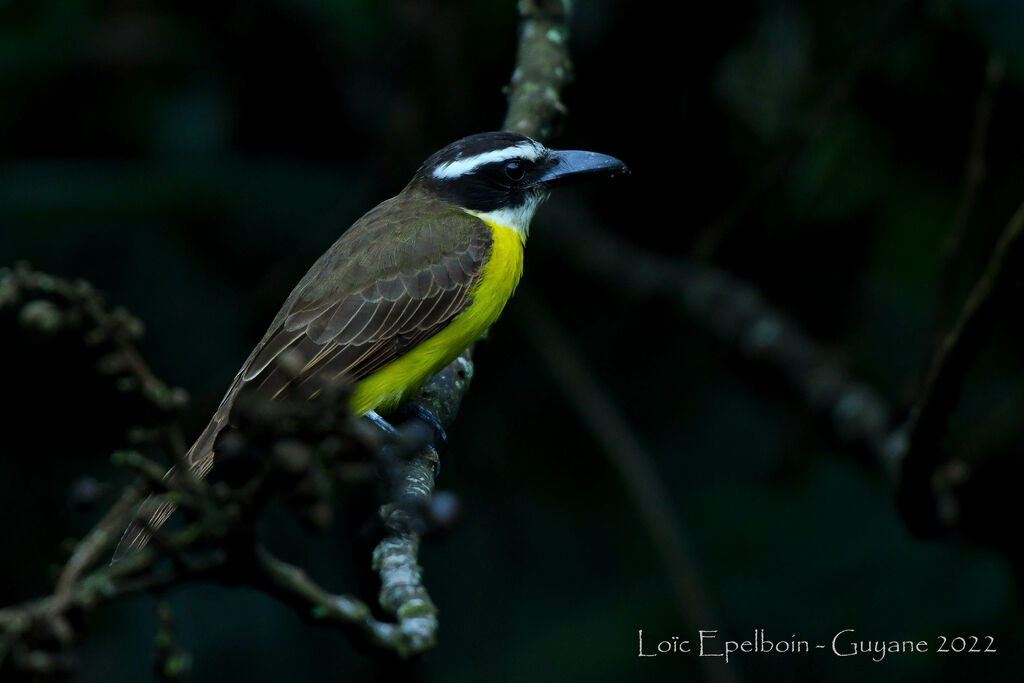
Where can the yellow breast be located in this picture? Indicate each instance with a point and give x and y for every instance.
(386, 388)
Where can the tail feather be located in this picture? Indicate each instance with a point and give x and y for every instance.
(152, 514)
(155, 510)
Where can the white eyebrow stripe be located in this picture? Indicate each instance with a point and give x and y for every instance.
(459, 167)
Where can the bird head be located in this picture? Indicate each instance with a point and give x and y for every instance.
(503, 177)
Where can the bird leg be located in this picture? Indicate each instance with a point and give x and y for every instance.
(385, 426)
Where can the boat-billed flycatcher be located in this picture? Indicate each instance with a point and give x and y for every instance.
(404, 291)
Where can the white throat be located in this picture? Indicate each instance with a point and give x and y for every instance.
(515, 218)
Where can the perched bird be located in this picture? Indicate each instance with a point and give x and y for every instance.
(403, 291)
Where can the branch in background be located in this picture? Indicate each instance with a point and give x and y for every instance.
(975, 167)
(974, 177)
(926, 500)
(535, 107)
(738, 315)
(96, 544)
(635, 466)
(35, 636)
(542, 69)
(51, 304)
(741, 318)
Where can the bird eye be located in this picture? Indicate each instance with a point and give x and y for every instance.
(514, 170)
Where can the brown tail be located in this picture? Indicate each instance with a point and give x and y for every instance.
(150, 516)
(155, 510)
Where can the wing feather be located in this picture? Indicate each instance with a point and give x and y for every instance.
(373, 330)
(271, 349)
(361, 307)
(396, 316)
(345, 331)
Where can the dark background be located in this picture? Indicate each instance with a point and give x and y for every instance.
(191, 159)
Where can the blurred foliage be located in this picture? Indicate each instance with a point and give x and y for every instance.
(193, 158)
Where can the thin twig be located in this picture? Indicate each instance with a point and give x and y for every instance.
(98, 543)
(974, 177)
(738, 315)
(927, 508)
(292, 586)
(634, 464)
(83, 308)
(47, 620)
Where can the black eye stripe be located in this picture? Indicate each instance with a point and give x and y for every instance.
(509, 169)
(492, 185)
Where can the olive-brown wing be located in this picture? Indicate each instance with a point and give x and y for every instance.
(356, 314)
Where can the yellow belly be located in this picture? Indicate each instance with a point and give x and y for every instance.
(386, 388)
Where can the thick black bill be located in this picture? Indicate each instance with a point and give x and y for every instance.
(573, 165)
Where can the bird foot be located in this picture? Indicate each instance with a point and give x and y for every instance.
(408, 412)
